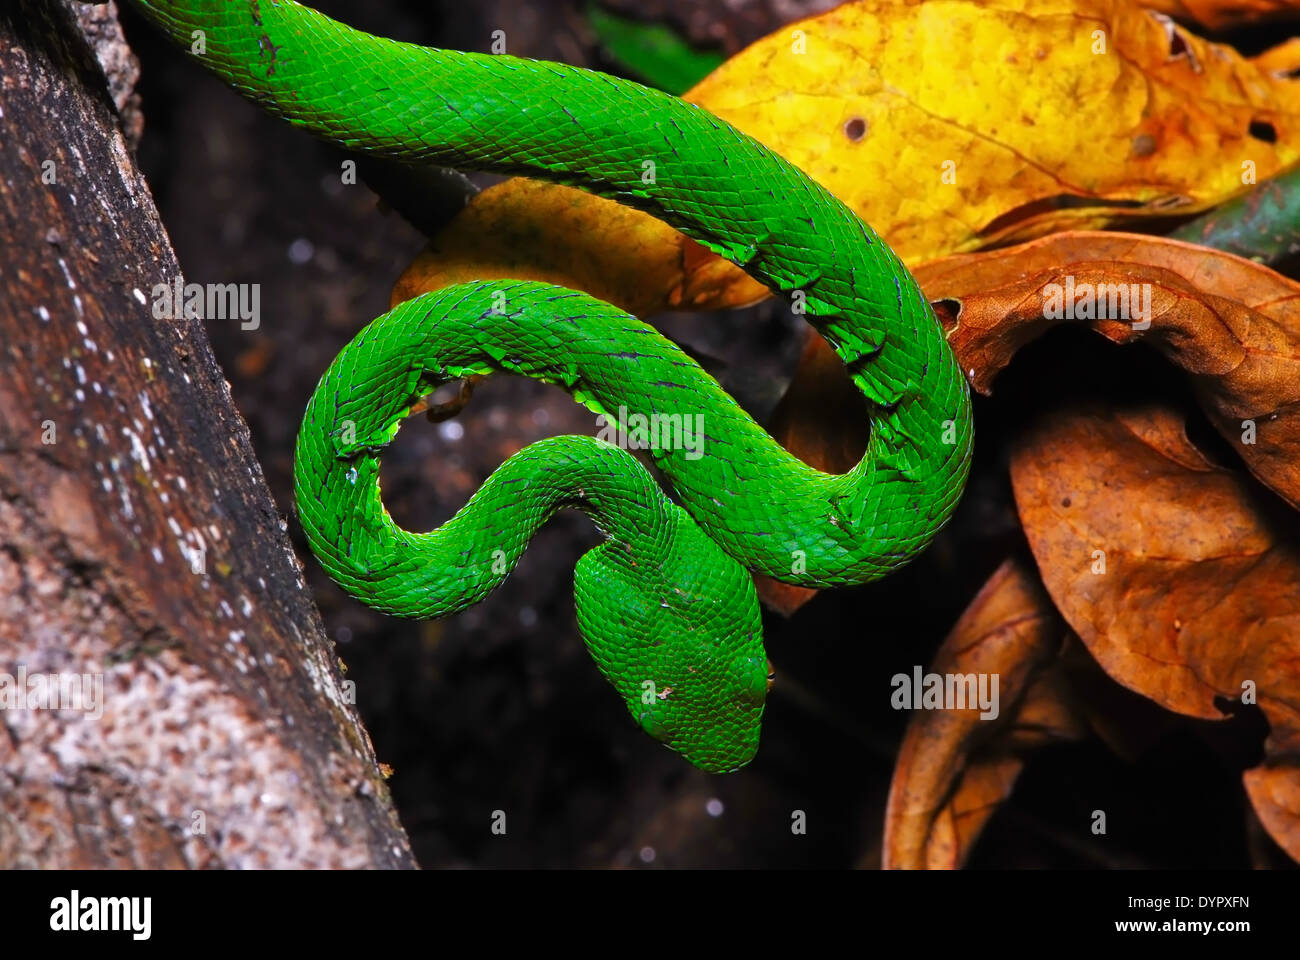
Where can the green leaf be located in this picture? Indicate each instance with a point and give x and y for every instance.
(655, 53)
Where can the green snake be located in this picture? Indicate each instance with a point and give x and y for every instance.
(666, 602)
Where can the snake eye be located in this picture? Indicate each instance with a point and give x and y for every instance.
(771, 675)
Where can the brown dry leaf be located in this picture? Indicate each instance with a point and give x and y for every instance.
(1028, 132)
(955, 768)
(1233, 324)
(1126, 722)
(1174, 573)
(1274, 791)
(1217, 14)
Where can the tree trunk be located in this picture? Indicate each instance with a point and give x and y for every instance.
(141, 554)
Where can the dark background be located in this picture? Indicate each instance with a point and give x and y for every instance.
(500, 707)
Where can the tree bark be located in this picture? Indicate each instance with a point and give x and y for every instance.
(139, 546)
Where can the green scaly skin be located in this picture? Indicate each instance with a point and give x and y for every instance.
(666, 604)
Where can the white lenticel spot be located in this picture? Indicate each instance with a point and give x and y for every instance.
(301, 251)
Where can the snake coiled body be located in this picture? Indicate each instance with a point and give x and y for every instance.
(666, 604)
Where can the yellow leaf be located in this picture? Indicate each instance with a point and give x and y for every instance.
(1055, 113)
(526, 230)
(1282, 61)
(948, 125)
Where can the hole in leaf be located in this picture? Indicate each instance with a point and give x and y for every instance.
(948, 310)
(1263, 130)
(1177, 45)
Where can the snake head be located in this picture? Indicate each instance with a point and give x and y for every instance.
(682, 642)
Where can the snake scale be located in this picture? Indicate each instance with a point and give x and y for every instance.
(666, 602)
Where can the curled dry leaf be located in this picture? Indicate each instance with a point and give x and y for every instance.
(1233, 324)
(1028, 132)
(1175, 575)
(525, 230)
(1282, 61)
(954, 768)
